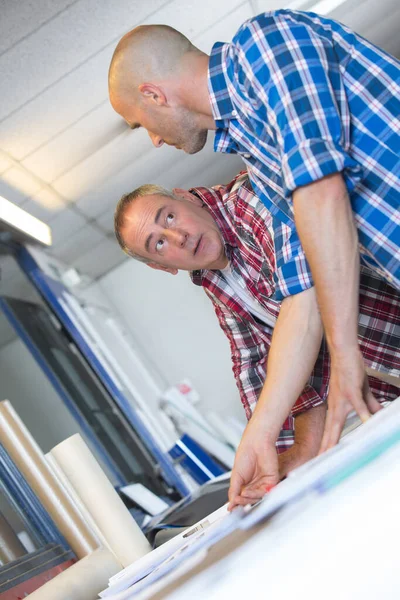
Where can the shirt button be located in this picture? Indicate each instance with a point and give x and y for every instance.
(246, 155)
(234, 113)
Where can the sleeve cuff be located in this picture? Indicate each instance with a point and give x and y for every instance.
(314, 159)
(308, 399)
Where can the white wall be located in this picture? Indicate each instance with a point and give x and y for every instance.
(174, 322)
(23, 383)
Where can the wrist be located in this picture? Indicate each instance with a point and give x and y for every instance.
(342, 342)
(343, 354)
(263, 419)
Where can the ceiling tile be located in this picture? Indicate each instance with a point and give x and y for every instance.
(65, 224)
(224, 29)
(16, 184)
(384, 30)
(58, 107)
(260, 6)
(44, 205)
(127, 150)
(100, 259)
(62, 44)
(76, 143)
(5, 162)
(106, 220)
(150, 167)
(192, 17)
(19, 19)
(77, 243)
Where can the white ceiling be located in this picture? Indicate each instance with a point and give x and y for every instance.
(65, 156)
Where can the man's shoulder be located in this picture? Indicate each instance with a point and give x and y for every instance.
(266, 21)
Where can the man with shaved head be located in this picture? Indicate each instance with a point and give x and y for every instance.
(313, 109)
(152, 70)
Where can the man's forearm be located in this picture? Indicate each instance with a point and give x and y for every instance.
(325, 223)
(309, 428)
(294, 349)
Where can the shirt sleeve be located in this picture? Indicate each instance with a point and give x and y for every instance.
(290, 75)
(249, 346)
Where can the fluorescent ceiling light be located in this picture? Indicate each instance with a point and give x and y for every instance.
(17, 219)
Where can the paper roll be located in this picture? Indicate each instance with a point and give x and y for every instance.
(123, 535)
(83, 581)
(69, 490)
(30, 460)
(10, 545)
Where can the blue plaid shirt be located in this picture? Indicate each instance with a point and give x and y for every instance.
(300, 97)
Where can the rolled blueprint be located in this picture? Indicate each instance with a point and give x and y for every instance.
(83, 580)
(30, 460)
(124, 537)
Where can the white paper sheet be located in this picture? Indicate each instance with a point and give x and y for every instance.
(152, 561)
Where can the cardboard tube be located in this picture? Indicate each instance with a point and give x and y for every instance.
(124, 537)
(83, 580)
(65, 483)
(10, 545)
(30, 460)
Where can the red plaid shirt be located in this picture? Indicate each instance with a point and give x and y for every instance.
(246, 227)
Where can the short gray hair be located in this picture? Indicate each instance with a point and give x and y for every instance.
(148, 189)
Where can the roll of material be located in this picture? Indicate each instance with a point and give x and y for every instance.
(73, 496)
(30, 460)
(123, 535)
(83, 581)
(10, 545)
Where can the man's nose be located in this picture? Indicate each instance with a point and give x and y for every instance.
(178, 237)
(156, 139)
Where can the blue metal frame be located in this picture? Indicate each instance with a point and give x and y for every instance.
(26, 503)
(51, 291)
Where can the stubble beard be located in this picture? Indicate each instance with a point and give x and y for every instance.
(196, 142)
(192, 139)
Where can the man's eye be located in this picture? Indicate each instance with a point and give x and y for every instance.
(159, 245)
(170, 218)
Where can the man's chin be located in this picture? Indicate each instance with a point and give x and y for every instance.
(193, 148)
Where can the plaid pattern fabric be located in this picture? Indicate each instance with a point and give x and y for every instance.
(300, 97)
(247, 229)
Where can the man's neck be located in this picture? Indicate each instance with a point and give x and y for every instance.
(194, 90)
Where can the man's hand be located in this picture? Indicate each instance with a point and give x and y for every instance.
(348, 390)
(255, 470)
(257, 465)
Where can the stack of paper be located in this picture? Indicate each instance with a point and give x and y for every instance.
(165, 558)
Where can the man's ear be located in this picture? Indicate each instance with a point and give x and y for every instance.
(158, 267)
(185, 195)
(153, 93)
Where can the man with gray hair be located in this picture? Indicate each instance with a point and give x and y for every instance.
(224, 237)
(313, 109)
